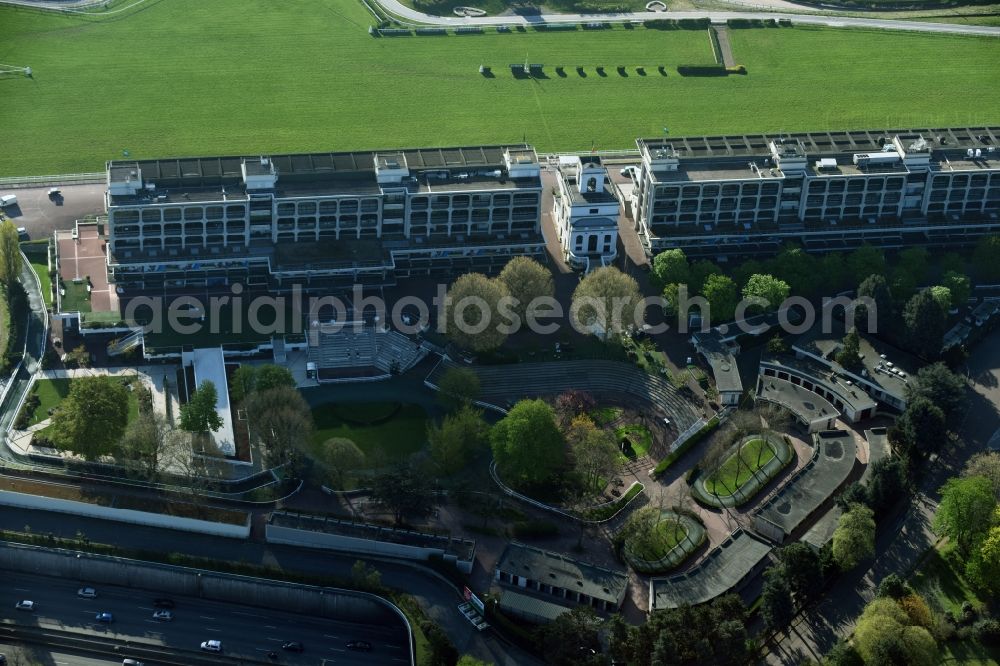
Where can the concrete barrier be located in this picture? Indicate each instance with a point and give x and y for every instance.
(25, 501)
(293, 536)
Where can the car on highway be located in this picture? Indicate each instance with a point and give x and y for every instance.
(211, 646)
(293, 646)
(132, 662)
(105, 617)
(360, 646)
(163, 616)
(25, 605)
(86, 593)
(163, 602)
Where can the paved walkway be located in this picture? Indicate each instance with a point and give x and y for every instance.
(396, 8)
(901, 545)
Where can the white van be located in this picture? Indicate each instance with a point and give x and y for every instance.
(8, 200)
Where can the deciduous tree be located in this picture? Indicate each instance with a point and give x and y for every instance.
(526, 280)
(966, 510)
(242, 383)
(768, 288)
(91, 420)
(854, 538)
(875, 289)
(527, 444)
(776, 608)
(283, 424)
(986, 259)
(606, 301)
(924, 319)
(143, 444)
(849, 354)
(722, 296)
(960, 287)
(341, 456)
(594, 453)
(270, 376)
(472, 312)
(458, 387)
(459, 437)
(199, 415)
(865, 261)
(406, 492)
(10, 253)
(671, 266)
(940, 386)
(986, 465)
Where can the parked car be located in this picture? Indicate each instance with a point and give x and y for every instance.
(360, 646)
(25, 605)
(293, 646)
(212, 646)
(54, 193)
(163, 603)
(87, 593)
(105, 617)
(22, 233)
(163, 616)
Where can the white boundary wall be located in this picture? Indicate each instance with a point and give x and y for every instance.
(25, 501)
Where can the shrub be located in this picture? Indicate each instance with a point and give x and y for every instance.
(662, 466)
(988, 632)
(702, 70)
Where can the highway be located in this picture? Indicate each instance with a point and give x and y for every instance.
(245, 632)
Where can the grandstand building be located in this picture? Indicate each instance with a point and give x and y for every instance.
(750, 194)
(321, 220)
(586, 213)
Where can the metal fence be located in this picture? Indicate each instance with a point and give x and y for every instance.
(58, 179)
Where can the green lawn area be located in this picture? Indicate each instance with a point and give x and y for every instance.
(52, 391)
(76, 298)
(639, 435)
(940, 579)
(402, 435)
(668, 534)
(196, 82)
(41, 268)
(603, 416)
(495, 7)
(734, 472)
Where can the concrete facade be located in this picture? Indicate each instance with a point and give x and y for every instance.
(321, 219)
(586, 213)
(739, 195)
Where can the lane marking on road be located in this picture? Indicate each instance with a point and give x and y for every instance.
(210, 629)
(205, 617)
(276, 640)
(338, 650)
(268, 626)
(145, 609)
(247, 614)
(21, 589)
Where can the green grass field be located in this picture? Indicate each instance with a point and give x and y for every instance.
(182, 77)
(391, 441)
(52, 391)
(734, 472)
(668, 534)
(941, 580)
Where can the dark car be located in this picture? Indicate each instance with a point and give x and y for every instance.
(293, 646)
(163, 603)
(361, 646)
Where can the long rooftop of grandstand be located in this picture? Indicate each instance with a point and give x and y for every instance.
(215, 169)
(947, 139)
(559, 570)
(850, 393)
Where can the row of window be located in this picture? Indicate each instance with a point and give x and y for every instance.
(714, 190)
(175, 214)
(328, 206)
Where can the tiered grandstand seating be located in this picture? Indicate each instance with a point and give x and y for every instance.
(350, 349)
(505, 384)
(394, 346)
(344, 349)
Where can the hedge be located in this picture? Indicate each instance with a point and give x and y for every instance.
(678, 24)
(711, 425)
(702, 70)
